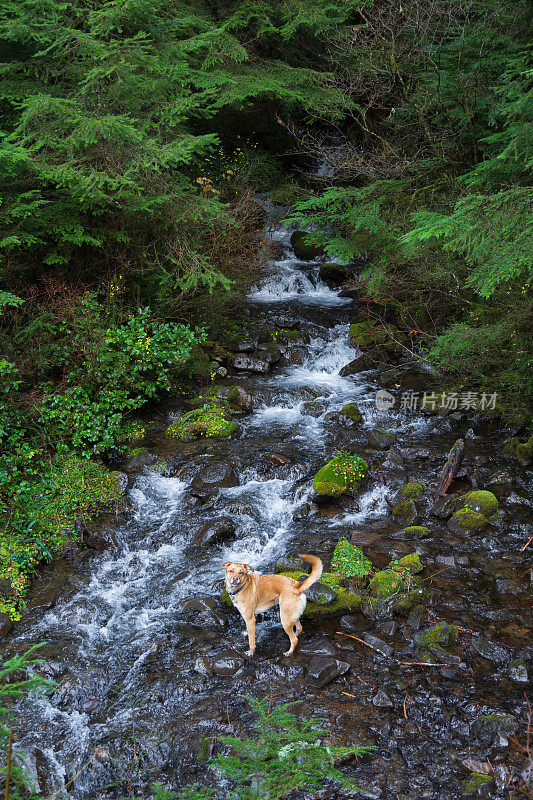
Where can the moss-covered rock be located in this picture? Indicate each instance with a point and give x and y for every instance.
(351, 412)
(439, 635)
(209, 420)
(522, 450)
(412, 563)
(346, 601)
(416, 531)
(303, 249)
(340, 475)
(482, 502)
(412, 491)
(405, 511)
(465, 520)
(385, 583)
(350, 560)
(476, 782)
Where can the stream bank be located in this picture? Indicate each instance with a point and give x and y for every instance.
(148, 660)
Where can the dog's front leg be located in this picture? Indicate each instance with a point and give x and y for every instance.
(250, 629)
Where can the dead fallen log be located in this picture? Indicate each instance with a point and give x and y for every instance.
(451, 467)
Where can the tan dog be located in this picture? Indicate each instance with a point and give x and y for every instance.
(251, 594)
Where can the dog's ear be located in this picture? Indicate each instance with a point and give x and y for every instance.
(249, 568)
(226, 564)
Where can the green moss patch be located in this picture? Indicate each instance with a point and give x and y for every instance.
(412, 491)
(481, 502)
(475, 782)
(351, 412)
(66, 490)
(416, 531)
(340, 475)
(350, 560)
(412, 563)
(209, 420)
(439, 635)
(467, 520)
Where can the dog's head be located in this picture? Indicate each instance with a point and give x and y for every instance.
(236, 573)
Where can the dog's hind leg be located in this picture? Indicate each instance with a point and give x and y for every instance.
(289, 620)
(299, 628)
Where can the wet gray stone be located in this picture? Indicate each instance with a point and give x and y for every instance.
(244, 362)
(379, 644)
(218, 475)
(382, 700)
(210, 620)
(380, 440)
(318, 646)
(518, 672)
(324, 670)
(491, 651)
(140, 457)
(486, 725)
(216, 530)
(199, 604)
(350, 623)
(227, 663)
(320, 594)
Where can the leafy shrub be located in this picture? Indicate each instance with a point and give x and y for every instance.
(350, 560)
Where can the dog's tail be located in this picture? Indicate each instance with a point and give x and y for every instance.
(316, 572)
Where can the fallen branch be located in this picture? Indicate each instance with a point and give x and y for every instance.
(451, 467)
(526, 544)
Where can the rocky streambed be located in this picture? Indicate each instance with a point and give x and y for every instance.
(150, 663)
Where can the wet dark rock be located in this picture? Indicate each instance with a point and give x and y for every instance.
(378, 644)
(487, 726)
(277, 459)
(444, 507)
(304, 250)
(210, 620)
(227, 663)
(44, 596)
(199, 604)
(6, 625)
(350, 623)
(362, 363)
(334, 274)
(440, 634)
(245, 347)
(380, 440)
(394, 461)
(388, 627)
(216, 530)
(491, 651)
(324, 670)
(509, 587)
(382, 700)
(97, 541)
(245, 362)
(320, 594)
(318, 646)
(518, 671)
(138, 458)
(214, 476)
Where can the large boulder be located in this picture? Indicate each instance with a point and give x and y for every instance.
(210, 478)
(216, 530)
(466, 521)
(324, 670)
(340, 475)
(334, 274)
(251, 364)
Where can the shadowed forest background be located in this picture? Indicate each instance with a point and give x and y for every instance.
(134, 136)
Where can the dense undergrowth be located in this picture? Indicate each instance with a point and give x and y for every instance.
(133, 138)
